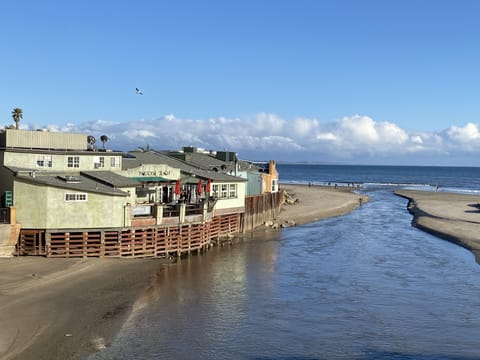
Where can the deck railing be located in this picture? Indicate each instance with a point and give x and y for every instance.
(4, 215)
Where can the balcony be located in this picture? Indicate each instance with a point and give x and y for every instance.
(151, 214)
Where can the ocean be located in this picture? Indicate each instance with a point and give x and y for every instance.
(366, 285)
(450, 179)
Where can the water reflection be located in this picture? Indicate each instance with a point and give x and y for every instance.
(362, 286)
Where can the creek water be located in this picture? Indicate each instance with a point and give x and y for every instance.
(366, 285)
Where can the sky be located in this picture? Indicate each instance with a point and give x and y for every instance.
(348, 82)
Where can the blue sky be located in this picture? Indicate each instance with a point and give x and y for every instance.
(383, 82)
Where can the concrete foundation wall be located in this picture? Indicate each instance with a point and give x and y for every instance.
(8, 239)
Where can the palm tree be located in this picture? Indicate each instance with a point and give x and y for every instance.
(17, 114)
(104, 139)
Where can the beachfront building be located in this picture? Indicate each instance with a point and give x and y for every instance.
(225, 192)
(72, 199)
(261, 177)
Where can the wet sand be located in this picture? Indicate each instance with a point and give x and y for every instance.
(67, 308)
(454, 217)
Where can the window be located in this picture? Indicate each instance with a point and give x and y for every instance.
(215, 191)
(274, 185)
(73, 161)
(233, 191)
(75, 197)
(224, 191)
(115, 161)
(98, 162)
(44, 161)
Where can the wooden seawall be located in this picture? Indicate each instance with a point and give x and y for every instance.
(261, 208)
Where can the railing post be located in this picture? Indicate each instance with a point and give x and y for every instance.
(13, 215)
(204, 210)
(127, 215)
(183, 208)
(159, 213)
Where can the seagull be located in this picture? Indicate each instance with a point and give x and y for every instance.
(138, 91)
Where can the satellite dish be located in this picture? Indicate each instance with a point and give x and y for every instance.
(91, 139)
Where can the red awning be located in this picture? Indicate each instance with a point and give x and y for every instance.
(199, 187)
(178, 187)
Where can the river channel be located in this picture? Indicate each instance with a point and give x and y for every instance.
(365, 285)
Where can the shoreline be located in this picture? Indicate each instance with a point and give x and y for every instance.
(311, 203)
(70, 308)
(449, 216)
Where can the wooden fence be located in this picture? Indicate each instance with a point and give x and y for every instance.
(134, 242)
(261, 208)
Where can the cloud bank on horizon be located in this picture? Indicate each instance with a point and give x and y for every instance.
(351, 139)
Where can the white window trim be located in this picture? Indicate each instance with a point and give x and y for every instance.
(232, 191)
(115, 162)
(44, 161)
(75, 164)
(99, 162)
(225, 191)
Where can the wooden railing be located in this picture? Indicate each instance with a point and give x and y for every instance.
(138, 242)
(4, 215)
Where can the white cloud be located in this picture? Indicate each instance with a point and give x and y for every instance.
(466, 134)
(361, 129)
(270, 136)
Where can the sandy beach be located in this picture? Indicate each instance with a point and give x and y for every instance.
(318, 202)
(67, 308)
(454, 217)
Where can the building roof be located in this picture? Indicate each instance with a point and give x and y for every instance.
(204, 161)
(111, 178)
(209, 161)
(67, 180)
(152, 157)
(98, 152)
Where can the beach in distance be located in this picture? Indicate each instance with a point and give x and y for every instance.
(451, 216)
(67, 308)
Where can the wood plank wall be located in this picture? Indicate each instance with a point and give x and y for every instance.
(135, 242)
(261, 208)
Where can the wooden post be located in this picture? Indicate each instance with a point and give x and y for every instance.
(84, 244)
(102, 244)
(48, 244)
(13, 215)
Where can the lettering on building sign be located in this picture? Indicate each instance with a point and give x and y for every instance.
(147, 173)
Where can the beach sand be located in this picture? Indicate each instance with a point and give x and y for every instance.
(67, 308)
(454, 217)
(318, 202)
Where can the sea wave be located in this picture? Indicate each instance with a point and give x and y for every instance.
(370, 186)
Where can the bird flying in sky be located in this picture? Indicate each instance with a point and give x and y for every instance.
(138, 91)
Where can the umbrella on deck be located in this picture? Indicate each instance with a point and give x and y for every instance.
(207, 188)
(178, 187)
(199, 187)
